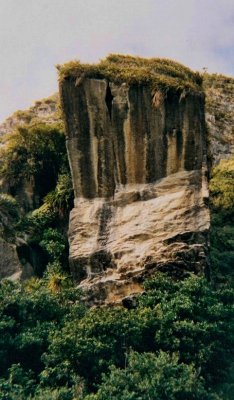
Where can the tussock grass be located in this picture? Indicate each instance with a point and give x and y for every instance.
(160, 74)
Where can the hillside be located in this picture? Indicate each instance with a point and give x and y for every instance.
(33, 163)
(44, 110)
(219, 91)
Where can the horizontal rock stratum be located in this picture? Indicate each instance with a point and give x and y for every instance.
(136, 141)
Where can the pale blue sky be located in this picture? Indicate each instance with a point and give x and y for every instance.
(37, 34)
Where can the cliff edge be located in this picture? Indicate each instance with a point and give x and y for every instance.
(136, 141)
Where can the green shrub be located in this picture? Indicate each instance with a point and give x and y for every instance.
(9, 208)
(10, 214)
(61, 199)
(222, 188)
(54, 243)
(180, 333)
(222, 221)
(153, 376)
(46, 225)
(34, 153)
(189, 318)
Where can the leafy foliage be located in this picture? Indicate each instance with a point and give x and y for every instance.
(54, 243)
(175, 345)
(222, 227)
(9, 206)
(61, 199)
(34, 152)
(153, 376)
(222, 188)
(9, 214)
(46, 226)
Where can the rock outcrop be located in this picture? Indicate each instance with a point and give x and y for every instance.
(219, 91)
(18, 260)
(136, 140)
(44, 110)
(9, 265)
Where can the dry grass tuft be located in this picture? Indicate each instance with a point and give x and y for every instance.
(161, 74)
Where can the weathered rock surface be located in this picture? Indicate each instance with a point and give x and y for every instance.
(139, 174)
(12, 265)
(113, 244)
(219, 91)
(9, 262)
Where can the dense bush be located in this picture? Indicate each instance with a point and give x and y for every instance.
(9, 214)
(222, 221)
(175, 345)
(153, 376)
(34, 153)
(46, 226)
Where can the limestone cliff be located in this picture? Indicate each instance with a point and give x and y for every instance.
(136, 140)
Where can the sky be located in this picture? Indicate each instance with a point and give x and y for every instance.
(35, 35)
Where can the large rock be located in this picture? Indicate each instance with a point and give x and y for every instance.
(10, 266)
(138, 162)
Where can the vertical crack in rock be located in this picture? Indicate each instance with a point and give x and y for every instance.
(104, 220)
(109, 99)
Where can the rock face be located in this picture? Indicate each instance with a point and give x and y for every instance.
(17, 259)
(138, 164)
(12, 265)
(9, 264)
(219, 91)
(45, 110)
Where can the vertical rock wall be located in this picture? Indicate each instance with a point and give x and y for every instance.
(138, 165)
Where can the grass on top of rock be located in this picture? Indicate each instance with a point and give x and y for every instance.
(218, 81)
(160, 74)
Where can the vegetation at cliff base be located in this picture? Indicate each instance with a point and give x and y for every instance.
(176, 344)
